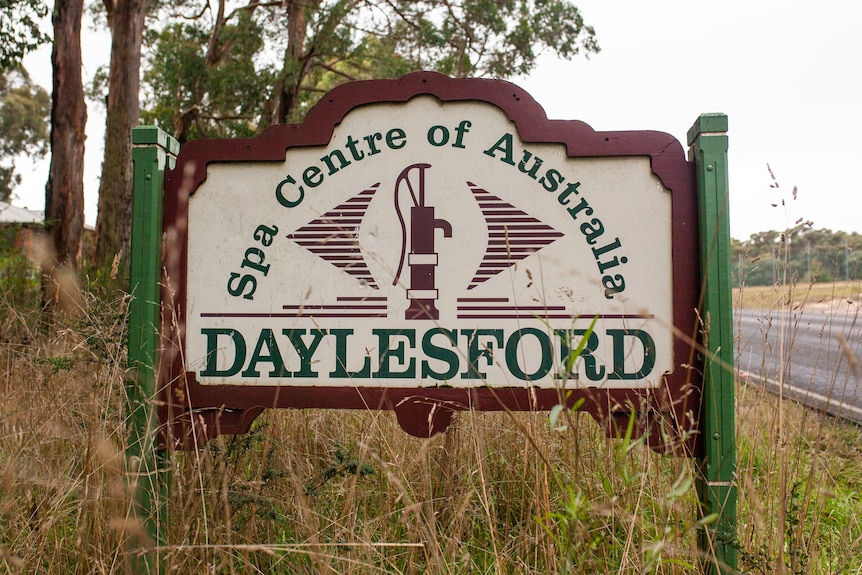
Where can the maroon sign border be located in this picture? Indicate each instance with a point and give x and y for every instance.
(192, 413)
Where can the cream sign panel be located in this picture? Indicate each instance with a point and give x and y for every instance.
(428, 246)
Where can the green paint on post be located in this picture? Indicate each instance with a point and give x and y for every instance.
(153, 152)
(718, 491)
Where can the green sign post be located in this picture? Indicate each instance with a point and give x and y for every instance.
(568, 186)
(153, 152)
(707, 139)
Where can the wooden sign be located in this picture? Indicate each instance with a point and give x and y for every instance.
(430, 245)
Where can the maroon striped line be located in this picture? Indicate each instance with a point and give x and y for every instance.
(619, 316)
(335, 257)
(286, 315)
(316, 315)
(517, 234)
(512, 308)
(362, 197)
(326, 228)
(250, 315)
(343, 221)
(332, 247)
(355, 273)
(314, 236)
(503, 247)
(335, 244)
(515, 316)
(352, 211)
(520, 227)
(511, 249)
(360, 298)
(502, 258)
(560, 316)
(510, 220)
(335, 252)
(352, 220)
(330, 307)
(523, 242)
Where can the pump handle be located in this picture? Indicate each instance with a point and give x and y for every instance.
(404, 176)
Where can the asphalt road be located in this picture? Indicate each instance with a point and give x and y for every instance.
(822, 351)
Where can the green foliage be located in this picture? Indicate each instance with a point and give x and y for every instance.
(223, 100)
(19, 276)
(499, 38)
(24, 109)
(343, 462)
(19, 30)
(233, 72)
(800, 254)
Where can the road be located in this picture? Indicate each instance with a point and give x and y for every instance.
(822, 347)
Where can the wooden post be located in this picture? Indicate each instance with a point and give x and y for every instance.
(153, 152)
(716, 486)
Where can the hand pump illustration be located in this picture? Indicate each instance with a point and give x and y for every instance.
(422, 258)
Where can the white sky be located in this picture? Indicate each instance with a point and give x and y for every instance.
(787, 74)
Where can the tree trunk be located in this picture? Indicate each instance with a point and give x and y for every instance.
(294, 66)
(64, 192)
(113, 224)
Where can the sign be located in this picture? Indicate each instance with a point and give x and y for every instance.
(430, 245)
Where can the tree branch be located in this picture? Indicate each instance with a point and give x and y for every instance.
(200, 14)
(252, 6)
(213, 54)
(332, 69)
(110, 8)
(403, 17)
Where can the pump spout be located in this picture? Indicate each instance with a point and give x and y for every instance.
(423, 262)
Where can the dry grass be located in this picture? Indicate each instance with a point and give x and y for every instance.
(318, 491)
(838, 296)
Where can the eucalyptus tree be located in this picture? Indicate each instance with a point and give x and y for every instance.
(24, 109)
(64, 192)
(233, 69)
(24, 105)
(23, 124)
(221, 68)
(20, 30)
(126, 20)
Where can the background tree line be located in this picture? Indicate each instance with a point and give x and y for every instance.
(802, 253)
(220, 68)
(24, 106)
